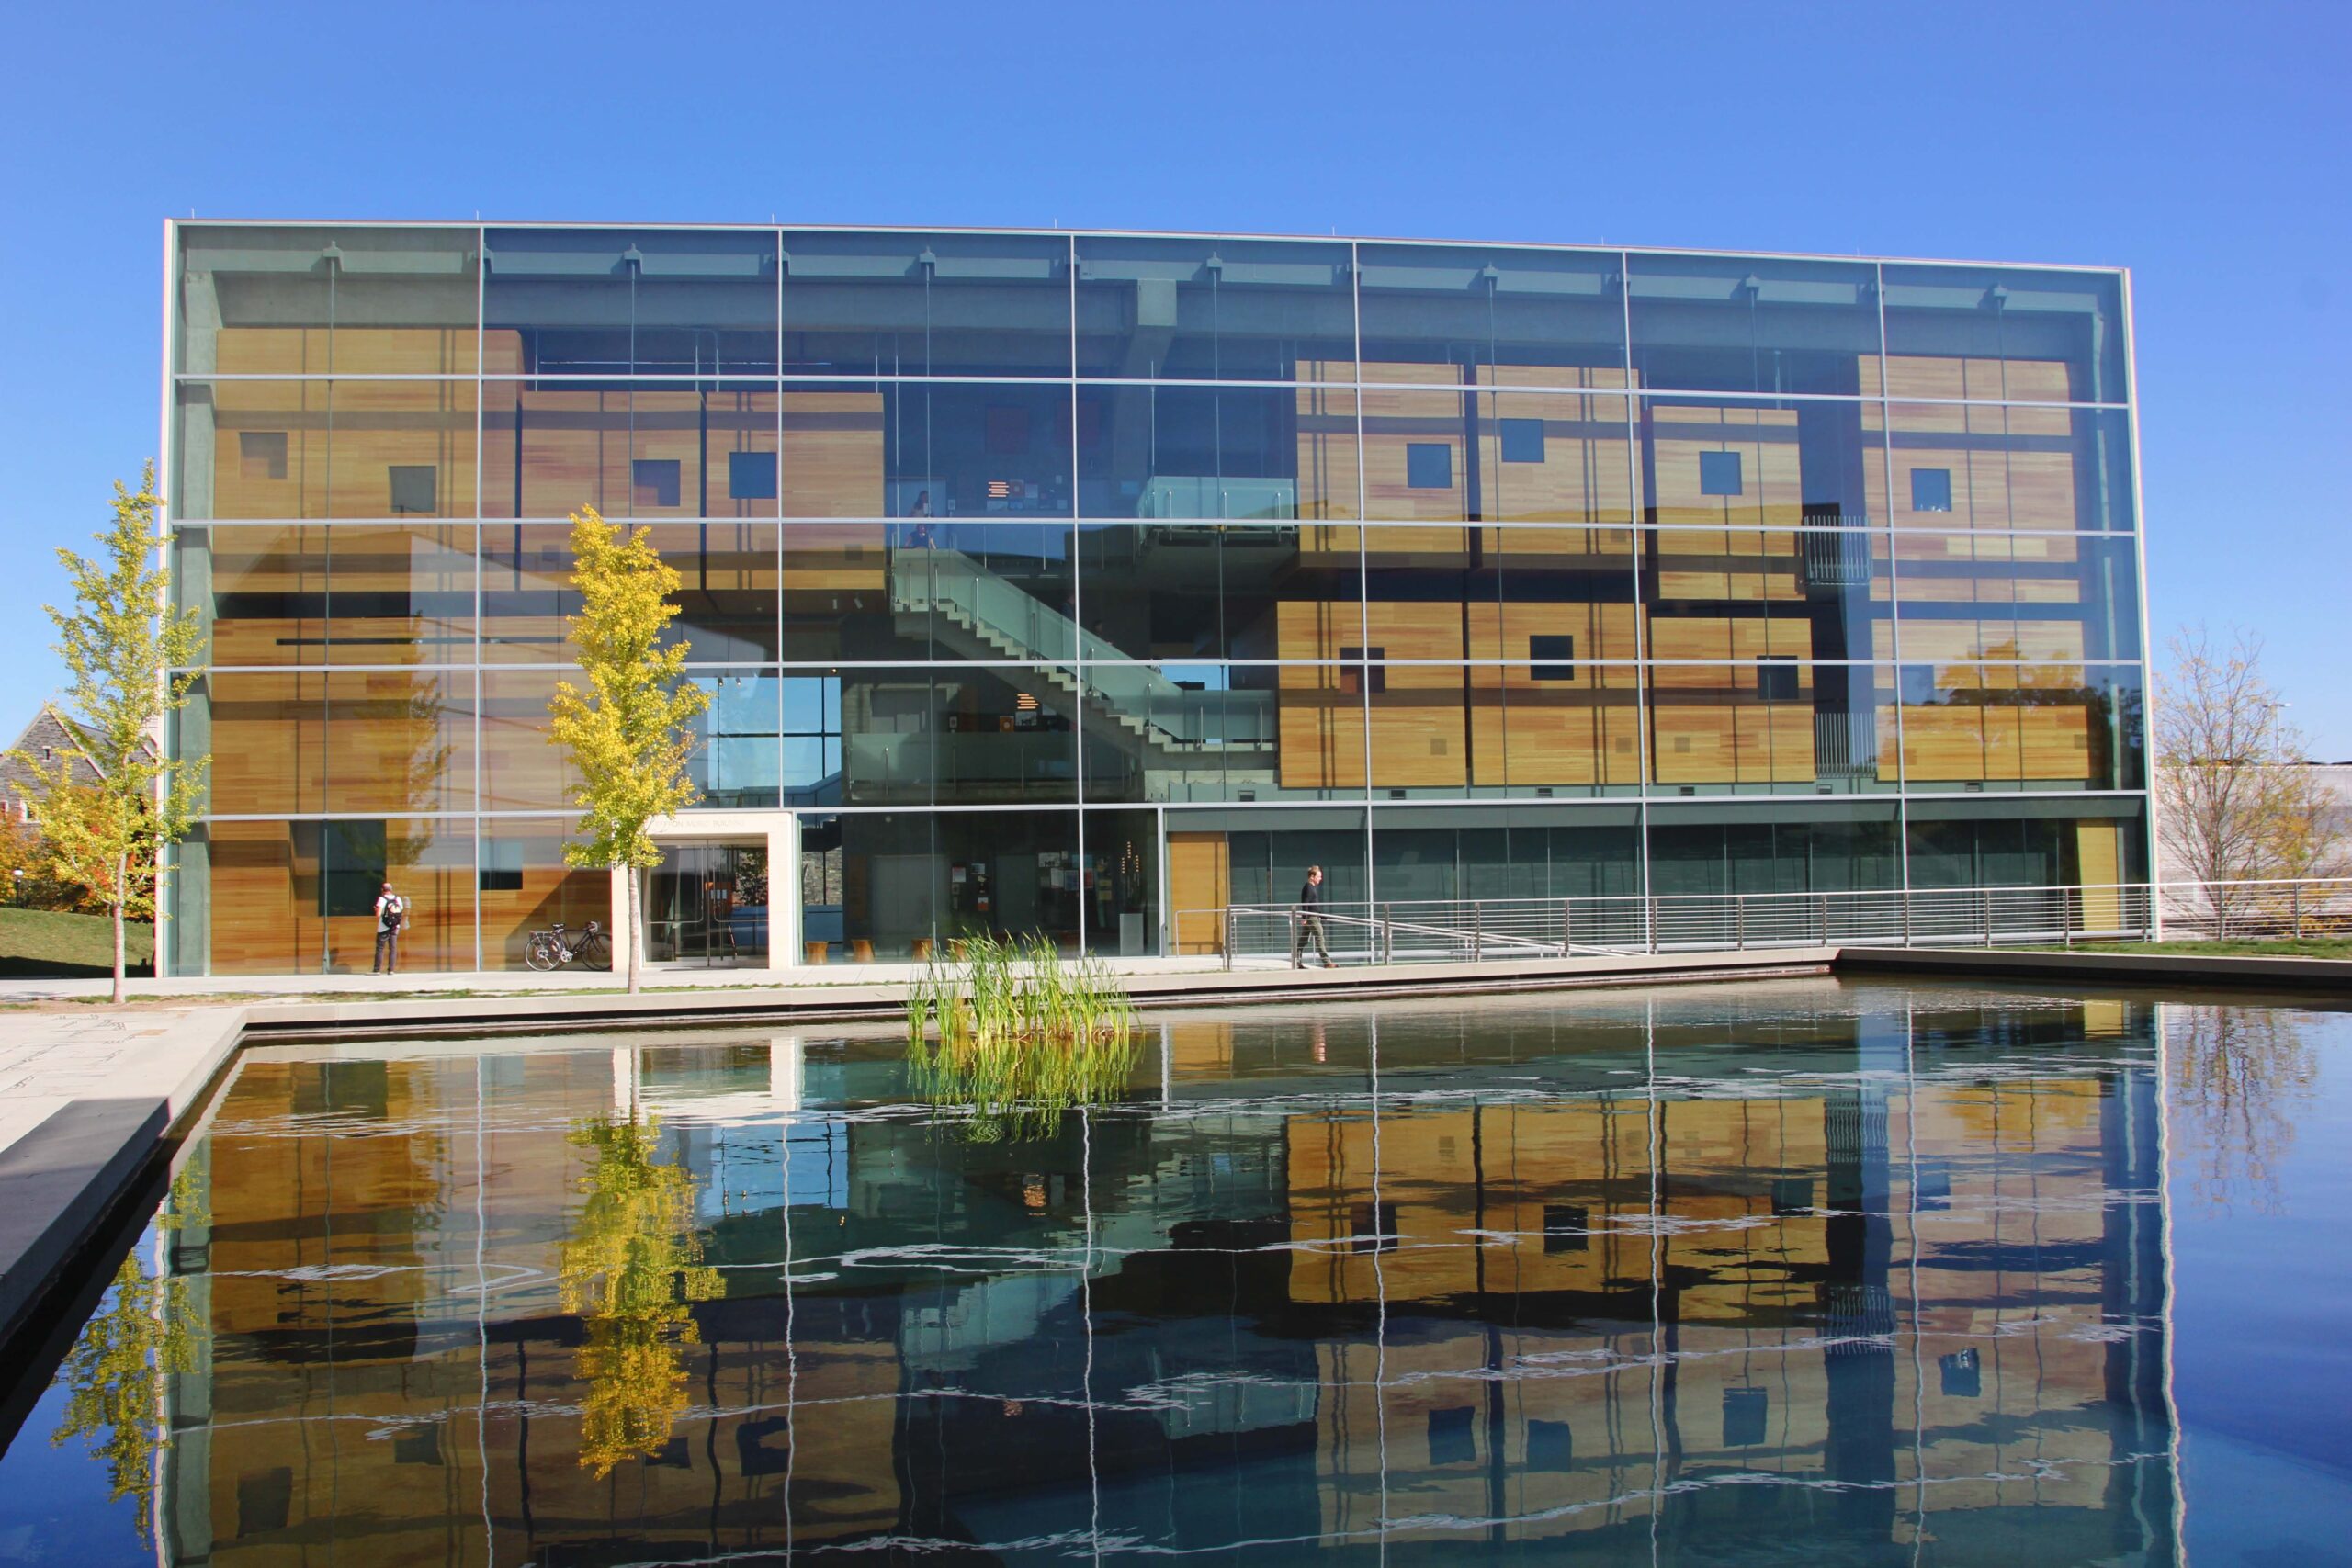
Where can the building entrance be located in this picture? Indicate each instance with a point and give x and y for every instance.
(707, 905)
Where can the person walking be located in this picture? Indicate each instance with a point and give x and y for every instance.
(1308, 920)
(392, 914)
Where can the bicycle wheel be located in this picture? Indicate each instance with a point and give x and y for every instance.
(540, 954)
(594, 951)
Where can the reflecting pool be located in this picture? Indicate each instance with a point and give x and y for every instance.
(1801, 1271)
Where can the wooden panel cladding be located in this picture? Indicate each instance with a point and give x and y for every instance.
(1200, 881)
(1554, 456)
(1508, 631)
(352, 594)
(289, 449)
(1758, 468)
(1415, 449)
(824, 559)
(1989, 467)
(1319, 727)
(1725, 638)
(1964, 742)
(2098, 864)
(374, 351)
(1987, 568)
(1717, 565)
(1582, 729)
(1940, 641)
(522, 770)
(1328, 471)
(1717, 724)
(833, 456)
(376, 742)
(1977, 379)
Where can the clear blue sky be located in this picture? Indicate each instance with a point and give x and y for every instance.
(2208, 148)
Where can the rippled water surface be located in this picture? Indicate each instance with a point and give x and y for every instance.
(1803, 1272)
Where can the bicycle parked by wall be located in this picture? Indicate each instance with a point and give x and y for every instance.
(552, 948)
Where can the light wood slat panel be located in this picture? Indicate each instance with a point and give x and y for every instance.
(1959, 742)
(1771, 493)
(1526, 732)
(1716, 637)
(1749, 742)
(1508, 630)
(834, 455)
(371, 351)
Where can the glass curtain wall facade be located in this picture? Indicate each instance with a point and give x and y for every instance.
(1076, 583)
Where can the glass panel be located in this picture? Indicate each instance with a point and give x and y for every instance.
(1234, 454)
(2026, 844)
(1854, 851)
(1212, 731)
(1504, 852)
(374, 740)
(1552, 458)
(525, 885)
(1497, 315)
(300, 898)
(263, 300)
(1214, 309)
(1120, 880)
(1964, 466)
(920, 450)
(650, 451)
(2029, 726)
(1754, 324)
(1764, 464)
(614, 302)
(2059, 597)
(1440, 592)
(522, 769)
(356, 594)
(2019, 335)
(926, 305)
(928, 589)
(269, 449)
(890, 885)
(726, 590)
(737, 753)
(1271, 851)
(1177, 589)
(1803, 593)
(1779, 724)
(955, 735)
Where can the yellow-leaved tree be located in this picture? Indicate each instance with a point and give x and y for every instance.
(130, 654)
(630, 732)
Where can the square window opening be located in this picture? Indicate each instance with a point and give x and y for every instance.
(1719, 474)
(1551, 653)
(261, 454)
(1568, 1228)
(1429, 465)
(1522, 440)
(1364, 668)
(1776, 678)
(654, 482)
(1932, 490)
(751, 475)
(416, 488)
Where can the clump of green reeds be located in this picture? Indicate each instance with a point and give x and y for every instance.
(1018, 1033)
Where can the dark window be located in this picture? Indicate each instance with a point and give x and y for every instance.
(1776, 678)
(261, 454)
(654, 481)
(1522, 440)
(1932, 490)
(415, 487)
(1429, 465)
(1450, 1439)
(1792, 1195)
(417, 1445)
(1963, 1375)
(1719, 473)
(264, 1500)
(764, 1447)
(501, 866)
(751, 475)
(1567, 1227)
(1373, 1232)
(1745, 1410)
(351, 861)
(1354, 674)
(1556, 648)
(1549, 1446)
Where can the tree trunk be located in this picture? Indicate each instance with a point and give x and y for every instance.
(121, 870)
(636, 928)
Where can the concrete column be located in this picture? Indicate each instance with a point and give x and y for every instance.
(783, 891)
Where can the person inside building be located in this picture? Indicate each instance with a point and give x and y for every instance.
(392, 914)
(1310, 922)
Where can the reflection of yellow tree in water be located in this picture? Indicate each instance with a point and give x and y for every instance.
(632, 1268)
(2238, 1076)
(114, 1378)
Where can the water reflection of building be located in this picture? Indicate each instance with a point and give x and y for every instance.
(1854, 1276)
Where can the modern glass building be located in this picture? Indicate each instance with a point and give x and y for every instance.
(1081, 583)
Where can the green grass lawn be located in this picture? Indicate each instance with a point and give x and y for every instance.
(46, 943)
(2309, 947)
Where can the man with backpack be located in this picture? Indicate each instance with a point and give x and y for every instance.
(391, 913)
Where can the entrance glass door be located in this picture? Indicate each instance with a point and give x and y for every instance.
(706, 904)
